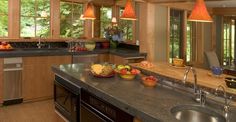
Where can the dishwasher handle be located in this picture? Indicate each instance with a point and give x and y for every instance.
(12, 69)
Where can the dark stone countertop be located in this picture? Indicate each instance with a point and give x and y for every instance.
(64, 51)
(150, 104)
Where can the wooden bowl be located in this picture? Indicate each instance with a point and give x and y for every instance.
(149, 83)
(230, 82)
(127, 76)
(178, 62)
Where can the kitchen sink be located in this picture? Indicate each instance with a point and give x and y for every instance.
(196, 113)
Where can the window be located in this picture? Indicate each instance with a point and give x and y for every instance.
(191, 40)
(4, 18)
(229, 41)
(176, 34)
(105, 19)
(35, 18)
(70, 23)
(127, 27)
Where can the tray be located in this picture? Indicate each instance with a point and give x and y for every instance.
(183, 67)
(101, 76)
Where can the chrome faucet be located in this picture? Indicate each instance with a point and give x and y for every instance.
(226, 105)
(39, 41)
(200, 95)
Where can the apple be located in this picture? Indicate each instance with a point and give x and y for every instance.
(4, 43)
(123, 71)
(135, 71)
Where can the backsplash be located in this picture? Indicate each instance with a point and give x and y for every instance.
(34, 44)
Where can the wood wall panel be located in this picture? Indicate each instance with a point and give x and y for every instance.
(14, 19)
(1, 80)
(38, 77)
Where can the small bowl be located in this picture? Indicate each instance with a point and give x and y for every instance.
(105, 45)
(128, 76)
(90, 46)
(230, 82)
(178, 62)
(148, 82)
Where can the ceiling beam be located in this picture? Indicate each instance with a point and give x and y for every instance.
(178, 1)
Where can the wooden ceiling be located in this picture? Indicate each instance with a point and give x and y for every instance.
(176, 1)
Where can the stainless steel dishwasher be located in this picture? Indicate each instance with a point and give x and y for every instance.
(12, 81)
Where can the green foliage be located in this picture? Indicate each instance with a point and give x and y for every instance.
(70, 24)
(35, 18)
(126, 25)
(3, 18)
(105, 19)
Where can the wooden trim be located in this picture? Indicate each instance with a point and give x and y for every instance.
(168, 34)
(184, 42)
(55, 18)
(222, 41)
(224, 11)
(14, 19)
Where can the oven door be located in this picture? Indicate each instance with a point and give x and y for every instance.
(90, 114)
(66, 103)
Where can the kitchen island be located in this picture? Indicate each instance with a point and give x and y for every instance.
(148, 104)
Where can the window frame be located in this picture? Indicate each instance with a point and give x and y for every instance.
(35, 20)
(84, 23)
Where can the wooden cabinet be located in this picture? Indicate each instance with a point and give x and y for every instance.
(117, 59)
(125, 60)
(37, 76)
(103, 58)
(1, 80)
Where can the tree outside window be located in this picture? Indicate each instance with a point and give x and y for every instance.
(229, 41)
(4, 18)
(127, 27)
(176, 34)
(35, 18)
(70, 23)
(105, 19)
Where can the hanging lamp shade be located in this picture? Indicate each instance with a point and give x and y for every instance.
(129, 13)
(200, 13)
(89, 12)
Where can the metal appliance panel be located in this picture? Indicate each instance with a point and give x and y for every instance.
(12, 84)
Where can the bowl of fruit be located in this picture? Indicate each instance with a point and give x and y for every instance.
(127, 72)
(102, 70)
(149, 81)
(5, 46)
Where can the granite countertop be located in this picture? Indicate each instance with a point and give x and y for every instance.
(64, 51)
(150, 104)
(205, 79)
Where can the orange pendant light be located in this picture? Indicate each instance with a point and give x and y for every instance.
(129, 13)
(89, 12)
(200, 13)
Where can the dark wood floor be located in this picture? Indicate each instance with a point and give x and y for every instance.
(42, 111)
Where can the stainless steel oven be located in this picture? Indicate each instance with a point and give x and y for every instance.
(67, 99)
(94, 109)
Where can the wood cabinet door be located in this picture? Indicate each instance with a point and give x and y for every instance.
(117, 59)
(38, 77)
(103, 58)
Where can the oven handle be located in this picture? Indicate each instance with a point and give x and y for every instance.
(95, 111)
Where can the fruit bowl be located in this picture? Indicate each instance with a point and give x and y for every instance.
(103, 76)
(127, 76)
(149, 81)
(178, 62)
(102, 70)
(127, 72)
